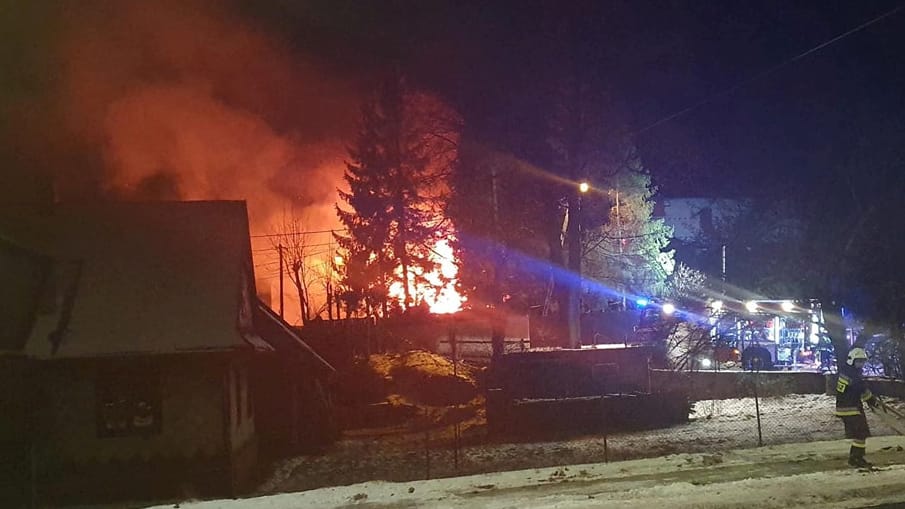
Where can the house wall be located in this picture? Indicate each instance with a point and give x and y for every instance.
(187, 457)
(694, 218)
(295, 413)
(191, 415)
(243, 441)
(15, 438)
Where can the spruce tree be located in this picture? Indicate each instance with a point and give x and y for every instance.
(396, 177)
(627, 254)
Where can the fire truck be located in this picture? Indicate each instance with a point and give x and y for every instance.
(773, 333)
(755, 334)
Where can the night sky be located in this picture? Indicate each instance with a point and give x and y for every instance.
(494, 60)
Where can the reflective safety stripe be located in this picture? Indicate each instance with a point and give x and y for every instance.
(859, 443)
(846, 411)
(842, 383)
(866, 395)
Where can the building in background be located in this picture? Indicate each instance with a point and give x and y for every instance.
(145, 365)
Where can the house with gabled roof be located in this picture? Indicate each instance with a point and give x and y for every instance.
(147, 353)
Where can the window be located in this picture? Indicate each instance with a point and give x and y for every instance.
(128, 401)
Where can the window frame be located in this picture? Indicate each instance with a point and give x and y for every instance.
(127, 396)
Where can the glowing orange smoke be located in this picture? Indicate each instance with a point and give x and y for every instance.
(440, 295)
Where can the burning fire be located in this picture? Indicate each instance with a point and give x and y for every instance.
(440, 294)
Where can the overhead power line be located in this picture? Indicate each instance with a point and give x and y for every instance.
(769, 71)
(284, 234)
(271, 249)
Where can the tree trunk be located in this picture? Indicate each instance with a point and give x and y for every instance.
(402, 250)
(497, 317)
(498, 332)
(573, 234)
(835, 327)
(498, 322)
(303, 295)
(329, 292)
(405, 284)
(558, 322)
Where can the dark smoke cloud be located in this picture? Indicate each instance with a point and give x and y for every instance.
(184, 99)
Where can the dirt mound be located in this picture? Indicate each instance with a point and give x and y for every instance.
(425, 378)
(417, 387)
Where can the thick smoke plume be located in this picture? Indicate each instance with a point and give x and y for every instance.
(186, 100)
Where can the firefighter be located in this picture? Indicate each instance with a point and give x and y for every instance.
(851, 394)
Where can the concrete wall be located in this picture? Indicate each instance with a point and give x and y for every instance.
(879, 386)
(702, 385)
(551, 418)
(889, 388)
(571, 373)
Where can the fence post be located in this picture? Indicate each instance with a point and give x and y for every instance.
(604, 419)
(33, 475)
(453, 345)
(760, 437)
(427, 453)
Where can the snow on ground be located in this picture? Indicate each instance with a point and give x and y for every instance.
(715, 426)
(711, 461)
(811, 474)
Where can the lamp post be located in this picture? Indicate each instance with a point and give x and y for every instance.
(621, 245)
(574, 236)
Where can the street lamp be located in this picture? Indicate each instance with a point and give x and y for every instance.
(573, 234)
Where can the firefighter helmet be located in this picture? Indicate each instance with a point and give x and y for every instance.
(855, 354)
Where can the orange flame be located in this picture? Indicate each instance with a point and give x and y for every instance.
(440, 294)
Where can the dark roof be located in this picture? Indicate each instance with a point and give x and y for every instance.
(23, 275)
(140, 278)
(275, 331)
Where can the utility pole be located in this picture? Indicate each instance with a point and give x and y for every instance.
(573, 234)
(280, 250)
(723, 263)
(497, 332)
(621, 243)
